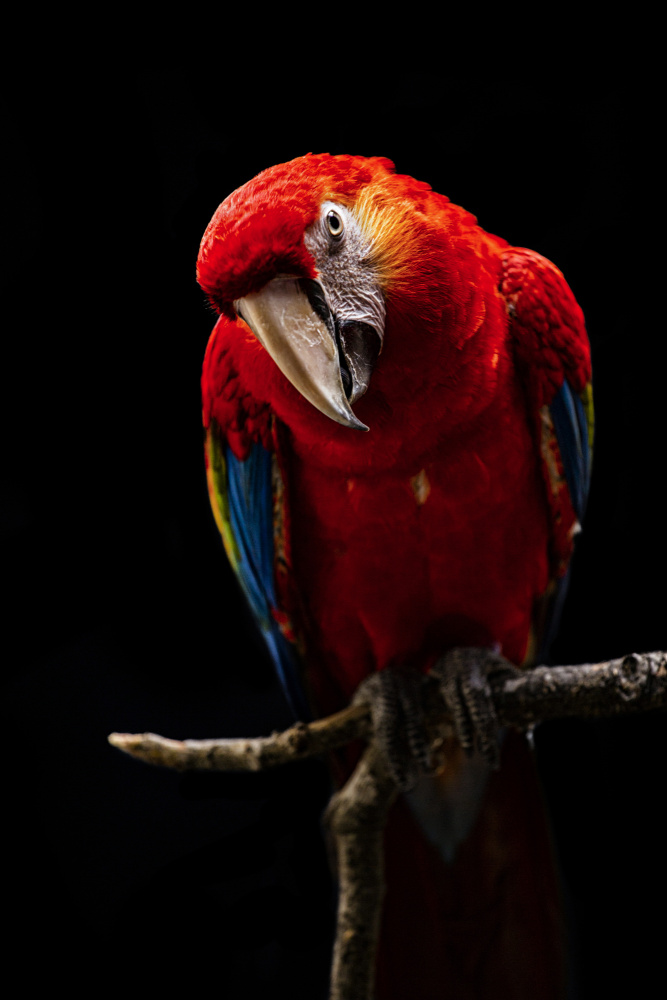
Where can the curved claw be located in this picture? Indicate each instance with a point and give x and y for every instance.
(463, 675)
(395, 699)
(410, 692)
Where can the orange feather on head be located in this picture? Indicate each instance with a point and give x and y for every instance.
(257, 231)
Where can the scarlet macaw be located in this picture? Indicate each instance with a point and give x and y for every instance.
(398, 418)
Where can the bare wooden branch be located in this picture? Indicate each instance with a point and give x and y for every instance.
(255, 754)
(356, 816)
(633, 683)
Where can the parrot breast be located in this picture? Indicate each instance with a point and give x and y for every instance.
(395, 565)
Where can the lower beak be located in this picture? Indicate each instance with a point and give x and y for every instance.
(301, 343)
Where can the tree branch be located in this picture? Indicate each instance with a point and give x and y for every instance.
(633, 683)
(256, 754)
(357, 813)
(357, 816)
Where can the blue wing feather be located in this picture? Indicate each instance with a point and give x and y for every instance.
(570, 425)
(250, 500)
(573, 433)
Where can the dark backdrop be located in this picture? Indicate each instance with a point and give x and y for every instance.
(120, 611)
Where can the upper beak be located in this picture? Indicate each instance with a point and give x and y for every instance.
(301, 341)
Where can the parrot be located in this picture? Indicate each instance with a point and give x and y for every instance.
(398, 420)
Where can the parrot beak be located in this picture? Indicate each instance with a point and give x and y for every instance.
(292, 321)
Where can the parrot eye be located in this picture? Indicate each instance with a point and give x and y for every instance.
(334, 224)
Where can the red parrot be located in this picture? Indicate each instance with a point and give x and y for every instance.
(398, 416)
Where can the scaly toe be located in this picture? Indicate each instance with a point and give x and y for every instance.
(464, 681)
(395, 698)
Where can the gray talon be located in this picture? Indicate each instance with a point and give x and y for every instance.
(410, 692)
(395, 698)
(396, 701)
(464, 681)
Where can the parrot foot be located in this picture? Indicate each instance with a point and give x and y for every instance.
(399, 724)
(463, 675)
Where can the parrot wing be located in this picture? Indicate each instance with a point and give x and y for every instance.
(553, 355)
(241, 472)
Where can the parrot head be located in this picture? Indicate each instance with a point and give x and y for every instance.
(312, 254)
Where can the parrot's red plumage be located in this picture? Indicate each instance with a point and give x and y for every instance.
(425, 408)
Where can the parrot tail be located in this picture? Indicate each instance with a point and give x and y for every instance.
(479, 915)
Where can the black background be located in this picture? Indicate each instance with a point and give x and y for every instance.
(121, 613)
